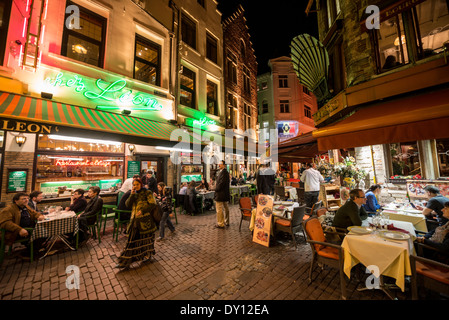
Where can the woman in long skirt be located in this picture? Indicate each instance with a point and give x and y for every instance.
(140, 245)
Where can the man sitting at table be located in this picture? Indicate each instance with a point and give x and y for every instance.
(435, 203)
(35, 198)
(89, 215)
(77, 202)
(352, 212)
(17, 216)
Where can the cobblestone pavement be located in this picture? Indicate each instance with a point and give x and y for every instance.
(199, 262)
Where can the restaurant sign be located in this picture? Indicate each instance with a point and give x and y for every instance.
(107, 95)
(335, 105)
(26, 126)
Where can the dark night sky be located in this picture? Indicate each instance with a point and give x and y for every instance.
(272, 25)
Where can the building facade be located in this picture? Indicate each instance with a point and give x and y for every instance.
(388, 87)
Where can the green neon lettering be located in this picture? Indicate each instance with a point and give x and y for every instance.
(113, 87)
(125, 97)
(138, 99)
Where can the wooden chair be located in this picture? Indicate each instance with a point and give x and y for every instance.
(323, 252)
(19, 240)
(293, 225)
(245, 210)
(119, 222)
(310, 212)
(280, 191)
(428, 275)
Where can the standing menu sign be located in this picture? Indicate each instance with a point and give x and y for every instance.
(17, 180)
(133, 168)
(262, 221)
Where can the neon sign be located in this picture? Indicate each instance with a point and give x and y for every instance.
(203, 122)
(86, 163)
(114, 92)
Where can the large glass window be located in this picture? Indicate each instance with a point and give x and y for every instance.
(188, 31)
(443, 156)
(187, 78)
(211, 48)
(246, 80)
(87, 43)
(212, 102)
(405, 159)
(147, 61)
(232, 68)
(63, 143)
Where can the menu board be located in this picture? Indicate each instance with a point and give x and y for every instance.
(133, 168)
(263, 219)
(17, 180)
(415, 188)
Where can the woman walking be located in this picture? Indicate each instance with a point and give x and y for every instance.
(140, 245)
(164, 199)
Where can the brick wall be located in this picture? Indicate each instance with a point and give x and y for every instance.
(16, 160)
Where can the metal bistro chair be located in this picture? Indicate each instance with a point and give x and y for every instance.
(245, 210)
(95, 227)
(106, 213)
(234, 194)
(293, 225)
(21, 240)
(119, 222)
(324, 253)
(280, 192)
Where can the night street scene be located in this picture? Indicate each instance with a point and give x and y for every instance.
(224, 158)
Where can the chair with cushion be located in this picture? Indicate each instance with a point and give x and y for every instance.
(293, 225)
(18, 240)
(279, 191)
(107, 212)
(245, 210)
(312, 212)
(120, 221)
(324, 253)
(428, 275)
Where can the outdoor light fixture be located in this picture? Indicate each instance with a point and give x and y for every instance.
(20, 139)
(46, 95)
(174, 149)
(131, 147)
(126, 112)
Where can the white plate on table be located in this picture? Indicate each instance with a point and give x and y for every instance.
(394, 235)
(360, 230)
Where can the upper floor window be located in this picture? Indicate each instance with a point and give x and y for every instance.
(283, 82)
(242, 48)
(307, 112)
(201, 3)
(246, 80)
(264, 106)
(231, 66)
(232, 114)
(147, 61)
(211, 48)
(188, 87)
(86, 44)
(333, 10)
(5, 10)
(212, 93)
(305, 90)
(285, 106)
(247, 116)
(188, 31)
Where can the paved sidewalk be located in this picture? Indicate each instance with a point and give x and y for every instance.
(198, 263)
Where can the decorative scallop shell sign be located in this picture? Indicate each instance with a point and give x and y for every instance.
(263, 219)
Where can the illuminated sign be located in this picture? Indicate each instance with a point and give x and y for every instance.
(287, 129)
(203, 122)
(114, 93)
(25, 126)
(85, 163)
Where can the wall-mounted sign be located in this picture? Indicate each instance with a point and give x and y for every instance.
(17, 180)
(107, 95)
(133, 168)
(52, 187)
(26, 126)
(84, 163)
(202, 123)
(287, 129)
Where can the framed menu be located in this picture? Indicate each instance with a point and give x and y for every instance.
(263, 219)
(17, 180)
(133, 168)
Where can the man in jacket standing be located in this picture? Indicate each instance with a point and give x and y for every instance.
(222, 196)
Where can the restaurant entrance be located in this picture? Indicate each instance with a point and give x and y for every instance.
(155, 164)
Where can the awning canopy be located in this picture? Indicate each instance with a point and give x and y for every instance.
(302, 148)
(421, 117)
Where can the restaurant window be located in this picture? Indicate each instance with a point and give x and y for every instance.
(147, 66)
(246, 80)
(307, 112)
(443, 156)
(5, 11)
(283, 82)
(231, 66)
(285, 107)
(211, 48)
(405, 159)
(212, 102)
(188, 31)
(86, 44)
(187, 79)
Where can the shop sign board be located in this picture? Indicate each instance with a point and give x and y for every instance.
(17, 180)
(191, 177)
(133, 168)
(27, 126)
(287, 129)
(263, 220)
(52, 187)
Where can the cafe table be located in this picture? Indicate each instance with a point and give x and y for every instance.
(55, 226)
(241, 189)
(389, 257)
(410, 215)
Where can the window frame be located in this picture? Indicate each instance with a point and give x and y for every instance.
(283, 81)
(192, 91)
(4, 29)
(246, 80)
(231, 66)
(307, 112)
(154, 45)
(188, 25)
(68, 32)
(211, 43)
(209, 99)
(284, 106)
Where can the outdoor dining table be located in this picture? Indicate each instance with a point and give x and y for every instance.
(390, 257)
(241, 189)
(206, 194)
(410, 215)
(54, 226)
(293, 195)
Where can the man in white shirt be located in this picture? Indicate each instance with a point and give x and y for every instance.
(312, 179)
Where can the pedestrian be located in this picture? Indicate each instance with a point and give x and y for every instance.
(312, 179)
(141, 228)
(164, 199)
(151, 182)
(35, 198)
(222, 196)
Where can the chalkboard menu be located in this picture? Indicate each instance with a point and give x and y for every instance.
(133, 168)
(17, 180)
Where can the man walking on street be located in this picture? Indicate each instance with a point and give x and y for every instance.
(222, 196)
(312, 179)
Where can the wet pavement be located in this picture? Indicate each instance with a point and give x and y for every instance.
(199, 262)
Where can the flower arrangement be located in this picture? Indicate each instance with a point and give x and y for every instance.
(349, 169)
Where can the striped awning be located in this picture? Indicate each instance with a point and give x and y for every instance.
(50, 112)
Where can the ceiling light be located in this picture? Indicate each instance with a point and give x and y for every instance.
(173, 149)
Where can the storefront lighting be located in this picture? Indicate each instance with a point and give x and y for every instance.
(126, 112)
(20, 139)
(46, 95)
(173, 149)
(131, 147)
(77, 139)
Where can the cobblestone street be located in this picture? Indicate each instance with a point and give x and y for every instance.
(198, 263)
